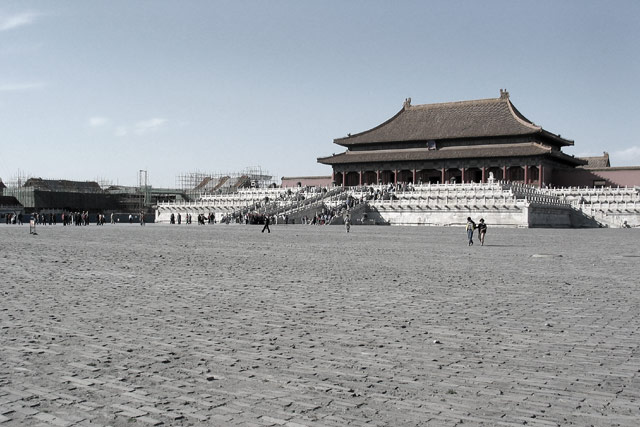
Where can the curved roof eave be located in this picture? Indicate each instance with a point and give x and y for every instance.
(556, 138)
(350, 136)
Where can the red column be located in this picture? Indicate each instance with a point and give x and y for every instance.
(395, 177)
(443, 176)
(377, 177)
(360, 184)
(462, 174)
(540, 173)
(344, 178)
(526, 174)
(504, 173)
(414, 177)
(333, 176)
(484, 173)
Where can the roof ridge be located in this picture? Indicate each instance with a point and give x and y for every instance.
(454, 103)
(520, 118)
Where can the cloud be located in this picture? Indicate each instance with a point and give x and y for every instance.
(141, 128)
(98, 121)
(121, 131)
(626, 157)
(15, 87)
(9, 22)
(147, 126)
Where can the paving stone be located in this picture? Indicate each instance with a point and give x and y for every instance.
(149, 420)
(313, 327)
(129, 411)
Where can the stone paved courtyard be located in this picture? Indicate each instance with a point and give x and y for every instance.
(125, 325)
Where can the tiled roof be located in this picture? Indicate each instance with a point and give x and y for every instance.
(597, 162)
(467, 152)
(9, 201)
(452, 120)
(63, 185)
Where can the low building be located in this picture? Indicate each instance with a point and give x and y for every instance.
(597, 173)
(306, 181)
(49, 195)
(9, 206)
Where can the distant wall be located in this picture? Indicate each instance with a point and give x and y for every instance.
(615, 177)
(306, 181)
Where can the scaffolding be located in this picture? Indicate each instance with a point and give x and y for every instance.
(197, 183)
(15, 187)
(143, 188)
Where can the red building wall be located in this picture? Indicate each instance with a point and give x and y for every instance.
(616, 177)
(306, 181)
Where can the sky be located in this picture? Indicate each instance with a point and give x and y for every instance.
(101, 90)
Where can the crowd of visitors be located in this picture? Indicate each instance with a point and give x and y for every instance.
(13, 218)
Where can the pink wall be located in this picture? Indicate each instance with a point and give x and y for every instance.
(616, 177)
(310, 181)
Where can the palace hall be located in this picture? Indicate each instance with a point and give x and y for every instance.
(453, 142)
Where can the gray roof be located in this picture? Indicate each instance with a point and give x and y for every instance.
(63, 185)
(452, 120)
(463, 152)
(9, 201)
(597, 162)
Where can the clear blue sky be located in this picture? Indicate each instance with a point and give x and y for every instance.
(102, 89)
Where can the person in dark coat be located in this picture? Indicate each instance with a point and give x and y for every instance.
(471, 226)
(266, 224)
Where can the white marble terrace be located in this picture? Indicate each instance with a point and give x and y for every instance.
(500, 203)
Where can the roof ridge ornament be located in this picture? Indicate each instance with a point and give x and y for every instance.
(504, 94)
(407, 103)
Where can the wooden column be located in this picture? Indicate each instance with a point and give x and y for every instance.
(484, 174)
(395, 177)
(444, 174)
(504, 173)
(414, 177)
(344, 178)
(360, 184)
(526, 174)
(377, 177)
(462, 174)
(540, 174)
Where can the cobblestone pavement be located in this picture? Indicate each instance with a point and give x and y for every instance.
(310, 326)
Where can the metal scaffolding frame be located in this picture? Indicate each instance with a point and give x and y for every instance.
(197, 182)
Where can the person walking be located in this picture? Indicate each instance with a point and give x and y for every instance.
(482, 230)
(471, 226)
(347, 222)
(266, 224)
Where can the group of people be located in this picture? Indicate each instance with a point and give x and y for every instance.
(472, 226)
(76, 218)
(67, 218)
(13, 218)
